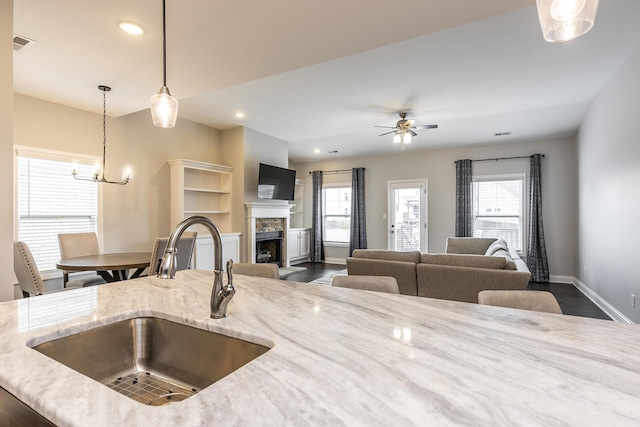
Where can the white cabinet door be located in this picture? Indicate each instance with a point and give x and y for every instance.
(293, 250)
(204, 251)
(304, 241)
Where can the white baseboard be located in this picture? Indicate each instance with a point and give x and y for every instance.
(609, 310)
(562, 279)
(335, 261)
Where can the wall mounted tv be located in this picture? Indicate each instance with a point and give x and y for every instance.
(276, 183)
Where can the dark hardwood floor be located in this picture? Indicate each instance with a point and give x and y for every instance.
(571, 300)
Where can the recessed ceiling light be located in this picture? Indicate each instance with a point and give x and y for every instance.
(131, 28)
(239, 115)
(317, 151)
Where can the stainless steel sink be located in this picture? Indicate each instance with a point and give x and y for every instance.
(153, 361)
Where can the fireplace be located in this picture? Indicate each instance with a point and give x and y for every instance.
(269, 247)
(267, 218)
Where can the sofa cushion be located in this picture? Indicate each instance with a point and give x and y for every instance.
(468, 245)
(411, 256)
(495, 246)
(503, 253)
(465, 260)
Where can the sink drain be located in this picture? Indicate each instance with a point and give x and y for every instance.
(150, 389)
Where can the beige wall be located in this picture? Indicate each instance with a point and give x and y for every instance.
(135, 214)
(609, 195)
(6, 146)
(559, 187)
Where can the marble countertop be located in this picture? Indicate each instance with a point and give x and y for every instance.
(339, 357)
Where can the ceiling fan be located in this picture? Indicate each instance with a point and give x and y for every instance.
(404, 129)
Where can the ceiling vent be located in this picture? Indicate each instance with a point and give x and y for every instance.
(19, 42)
(502, 133)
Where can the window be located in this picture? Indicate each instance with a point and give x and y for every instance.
(498, 208)
(336, 213)
(51, 201)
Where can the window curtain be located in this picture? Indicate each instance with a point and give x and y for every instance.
(317, 249)
(358, 238)
(536, 249)
(464, 200)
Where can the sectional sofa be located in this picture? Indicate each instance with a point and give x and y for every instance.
(468, 266)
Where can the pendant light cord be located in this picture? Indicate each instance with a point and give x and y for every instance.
(104, 128)
(164, 45)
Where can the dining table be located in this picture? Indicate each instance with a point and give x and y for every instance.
(112, 267)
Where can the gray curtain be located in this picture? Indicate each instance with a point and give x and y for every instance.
(358, 238)
(536, 249)
(464, 200)
(317, 249)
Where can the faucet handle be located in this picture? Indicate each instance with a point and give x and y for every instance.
(230, 272)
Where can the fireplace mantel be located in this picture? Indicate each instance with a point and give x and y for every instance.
(266, 210)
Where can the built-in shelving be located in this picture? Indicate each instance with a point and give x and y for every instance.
(199, 188)
(298, 202)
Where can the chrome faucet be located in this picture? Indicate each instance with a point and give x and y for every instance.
(220, 294)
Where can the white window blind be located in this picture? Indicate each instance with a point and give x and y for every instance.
(51, 201)
(337, 214)
(498, 207)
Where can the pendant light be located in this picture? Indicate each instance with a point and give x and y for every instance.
(98, 174)
(164, 107)
(564, 20)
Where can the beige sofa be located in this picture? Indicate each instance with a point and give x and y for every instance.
(470, 265)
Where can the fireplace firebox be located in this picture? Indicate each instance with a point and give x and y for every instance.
(269, 247)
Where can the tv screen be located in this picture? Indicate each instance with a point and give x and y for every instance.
(276, 183)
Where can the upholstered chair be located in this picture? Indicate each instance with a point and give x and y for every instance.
(367, 283)
(75, 245)
(185, 252)
(524, 300)
(27, 272)
(267, 270)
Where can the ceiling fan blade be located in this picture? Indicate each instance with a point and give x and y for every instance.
(387, 133)
(412, 133)
(420, 127)
(386, 127)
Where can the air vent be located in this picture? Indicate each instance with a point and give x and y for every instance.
(19, 42)
(502, 133)
(333, 152)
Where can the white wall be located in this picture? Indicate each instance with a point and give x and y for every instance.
(261, 148)
(609, 191)
(134, 214)
(6, 147)
(437, 166)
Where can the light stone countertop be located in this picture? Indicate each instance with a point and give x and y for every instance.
(339, 357)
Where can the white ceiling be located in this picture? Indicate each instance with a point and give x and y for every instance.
(322, 74)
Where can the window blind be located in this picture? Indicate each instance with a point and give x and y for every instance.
(498, 209)
(51, 201)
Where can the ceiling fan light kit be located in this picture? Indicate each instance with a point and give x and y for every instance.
(403, 131)
(564, 20)
(164, 107)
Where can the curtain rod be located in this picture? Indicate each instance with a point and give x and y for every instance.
(336, 171)
(501, 158)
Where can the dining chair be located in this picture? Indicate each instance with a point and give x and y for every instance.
(266, 270)
(367, 283)
(79, 244)
(525, 300)
(185, 252)
(26, 270)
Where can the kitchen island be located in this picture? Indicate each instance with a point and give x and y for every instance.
(337, 357)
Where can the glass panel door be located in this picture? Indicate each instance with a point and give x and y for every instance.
(408, 216)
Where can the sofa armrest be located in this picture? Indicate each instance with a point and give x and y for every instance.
(403, 272)
(464, 283)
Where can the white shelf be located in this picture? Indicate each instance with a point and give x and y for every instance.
(206, 190)
(205, 212)
(199, 188)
